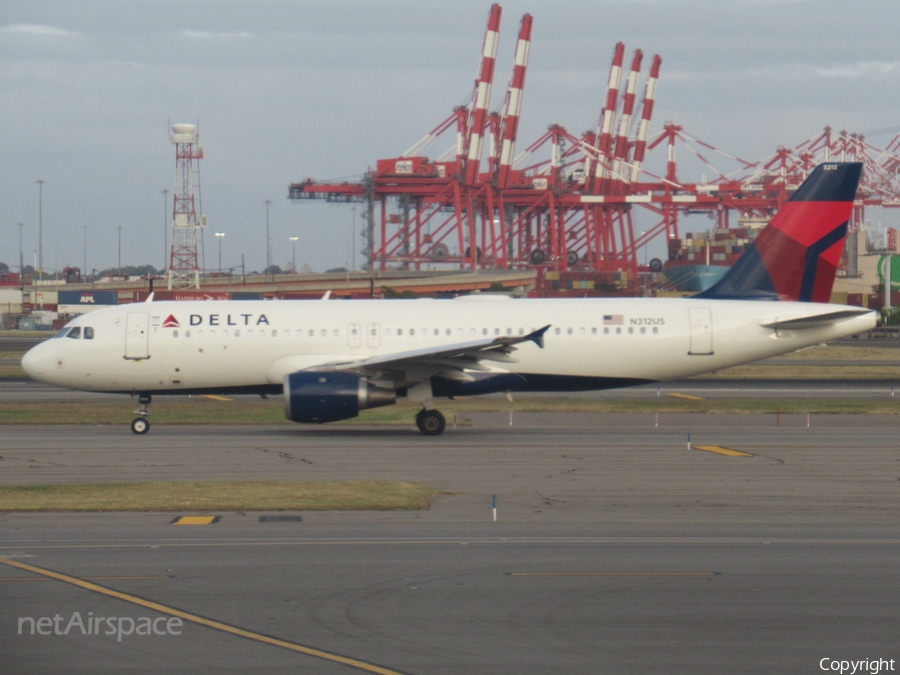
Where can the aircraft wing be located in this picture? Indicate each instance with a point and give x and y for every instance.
(447, 361)
(816, 321)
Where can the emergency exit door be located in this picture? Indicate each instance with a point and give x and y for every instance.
(137, 335)
(701, 331)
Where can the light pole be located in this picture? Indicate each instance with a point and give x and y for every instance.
(85, 268)
(220, 236)
(293, 241)
(119, 228)
(268, 242)
(21, 257)
(353, 241)
(165, 194)
(40, 183)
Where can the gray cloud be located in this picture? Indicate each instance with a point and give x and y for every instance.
(284, 90)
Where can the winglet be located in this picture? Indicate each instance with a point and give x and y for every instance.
(537, 337)
(327, 296)
(150, 297)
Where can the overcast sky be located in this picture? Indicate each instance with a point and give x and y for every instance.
(285, 90)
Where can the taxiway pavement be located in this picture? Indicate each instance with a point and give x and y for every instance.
(616, 549)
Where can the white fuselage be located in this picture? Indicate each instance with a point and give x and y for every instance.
(222, 345)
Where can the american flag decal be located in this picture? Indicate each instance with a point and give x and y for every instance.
(613, 319)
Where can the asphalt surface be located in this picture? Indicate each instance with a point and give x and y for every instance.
(616, 549)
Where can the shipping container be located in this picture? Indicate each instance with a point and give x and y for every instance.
(10, 295)
(88, 298)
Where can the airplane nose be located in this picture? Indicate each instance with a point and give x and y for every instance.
(31, 362)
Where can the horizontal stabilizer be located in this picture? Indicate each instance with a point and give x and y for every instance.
(816, 321)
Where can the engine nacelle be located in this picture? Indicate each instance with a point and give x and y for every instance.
(328, 397)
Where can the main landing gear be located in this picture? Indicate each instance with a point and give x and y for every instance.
(431, 422)
(141, 423)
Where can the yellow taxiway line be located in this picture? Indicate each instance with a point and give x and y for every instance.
(721, 451)
(195, 520)
(687, 397)
(202, 621)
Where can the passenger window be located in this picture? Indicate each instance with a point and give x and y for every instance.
(312, 333)
(618, 331)
(75, 333)
(187, 333)
(88, 333)
(412, 331)
(324, 332)
(496, 331)
(556, 330)
(521, 331)
(387, 332)
(335, 332)
(484, 331)
(274, 332)
(655, 330)
(199, 333)
(237, 332)
(569, 331)
(643, 330)
(630, 330)
(399, 331)
(224, 333)
(509, 331)
(594, 330)
(449, 332)
(606, 331)
(174, 333)
(212, 332)
(471, 331)
(437, 331)
(581, 331)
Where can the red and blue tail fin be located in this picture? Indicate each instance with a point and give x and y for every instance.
(797, 254)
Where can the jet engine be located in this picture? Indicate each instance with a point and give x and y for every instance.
(327, 397)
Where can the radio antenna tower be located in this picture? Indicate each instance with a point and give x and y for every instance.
(184, 260)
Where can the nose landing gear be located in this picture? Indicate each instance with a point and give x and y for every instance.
(141, 423)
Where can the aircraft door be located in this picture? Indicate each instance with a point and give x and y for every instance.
(701, 331)
(373, 335)
(137, 335)
(354, 335)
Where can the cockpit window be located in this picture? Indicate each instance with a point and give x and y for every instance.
(75, 333)
(61, 333)
(88, 333)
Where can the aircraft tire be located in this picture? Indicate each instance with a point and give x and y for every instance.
(139, 425)
(431, 422)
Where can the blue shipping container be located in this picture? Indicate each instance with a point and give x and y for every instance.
(88, 298)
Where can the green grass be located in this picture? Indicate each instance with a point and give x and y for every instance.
(197, 410)
(194, 496)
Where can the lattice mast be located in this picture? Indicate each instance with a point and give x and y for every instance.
(187, 220)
